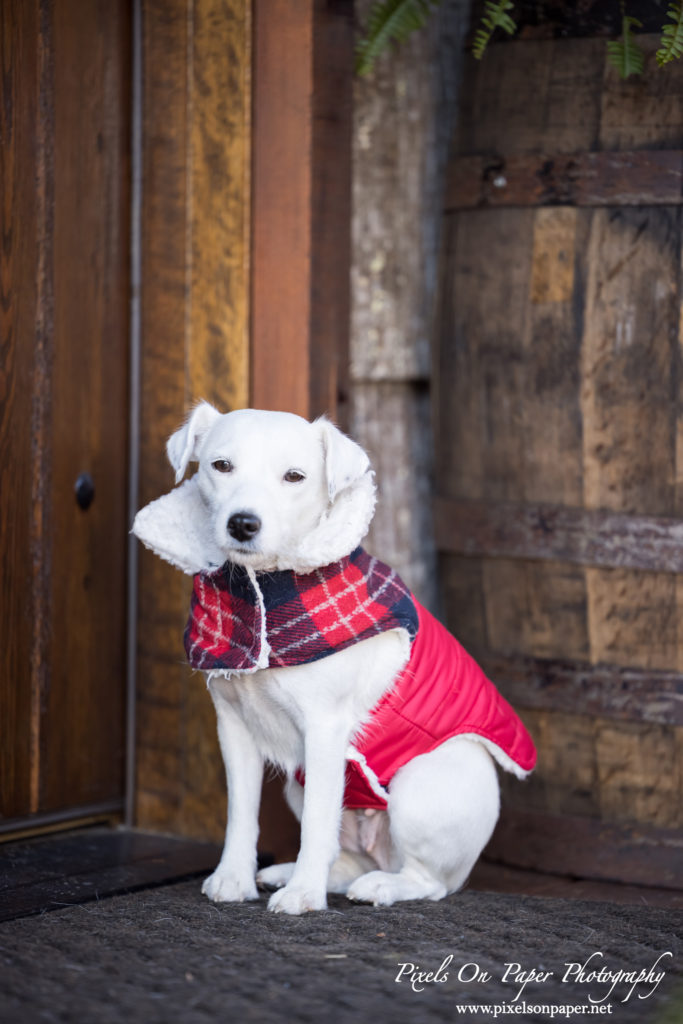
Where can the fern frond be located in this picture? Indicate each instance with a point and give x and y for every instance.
(624, 54)
(495, 16)
(672, 36)
(390, 21)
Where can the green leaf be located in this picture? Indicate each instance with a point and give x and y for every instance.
(495, 16)
(390, 21)
(672, 36)
(624, 54)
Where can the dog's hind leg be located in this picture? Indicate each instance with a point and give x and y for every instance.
(443, 807)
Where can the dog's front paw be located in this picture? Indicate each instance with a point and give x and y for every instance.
(294, 899)
(224, 886)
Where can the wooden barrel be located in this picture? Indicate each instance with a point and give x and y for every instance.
(559, 428)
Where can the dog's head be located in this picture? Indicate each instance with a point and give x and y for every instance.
(272, 491)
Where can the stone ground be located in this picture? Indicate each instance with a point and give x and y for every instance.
(167, 954)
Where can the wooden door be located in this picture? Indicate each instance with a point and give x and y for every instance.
(64, 310)
(559, 430)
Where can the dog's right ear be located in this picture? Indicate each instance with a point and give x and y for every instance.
(345, 461)
(183, 446)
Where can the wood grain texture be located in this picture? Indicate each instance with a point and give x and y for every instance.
(219, 186)
(536, 607)
(636, 178)
(558, 407)
(195, 325)
(607, 691)
(585, 848)
(402, 517)
(601, 768)
(401, 128)
(628, 360)
(64, 395)
(509, 97)
(300, 291)
(21, 593)
(89, 382)
(331, 157)
(592, 537)
(282, 195)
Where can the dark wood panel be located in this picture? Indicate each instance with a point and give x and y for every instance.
(490, 877)
(638, 178)
(586, 848)
(82, 731)
(22, 310)
(610, 691)
(554, 532)
(49, 873)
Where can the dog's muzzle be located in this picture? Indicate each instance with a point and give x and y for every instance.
(243, 526)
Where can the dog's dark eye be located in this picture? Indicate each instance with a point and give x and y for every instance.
(222, 465)
(294, 476)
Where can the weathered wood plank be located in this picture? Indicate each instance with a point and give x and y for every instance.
(633, 618)
(218, 181)
(592, 537)
(608, 691)
(195, 321)
(481, 357)
(582, 768)
(561, 455)
(392, 421)
(552, 452)
(639, 772)
(643, 111)
(629, 354)
(537, 607)
(509, 95)
(636, 178)
(586, 848)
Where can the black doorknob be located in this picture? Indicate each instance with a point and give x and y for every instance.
(85, 491)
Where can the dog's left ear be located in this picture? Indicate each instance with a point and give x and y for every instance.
(345, 461)
(183, 445)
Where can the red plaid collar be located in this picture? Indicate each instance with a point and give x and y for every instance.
(241, 621)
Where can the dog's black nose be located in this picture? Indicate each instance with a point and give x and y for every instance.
(243, 525)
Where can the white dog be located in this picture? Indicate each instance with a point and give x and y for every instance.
(311, 648)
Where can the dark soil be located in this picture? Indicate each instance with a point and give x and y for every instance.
(167, 954)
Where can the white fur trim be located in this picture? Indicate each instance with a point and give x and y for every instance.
(177, 527)
(375, 785)
(499, 755)
(264, 652)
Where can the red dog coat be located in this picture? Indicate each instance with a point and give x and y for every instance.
(241, 621)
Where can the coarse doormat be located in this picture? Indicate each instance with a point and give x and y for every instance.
(168, 954)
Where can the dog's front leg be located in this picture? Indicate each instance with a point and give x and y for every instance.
(324, 756)
(234, 878)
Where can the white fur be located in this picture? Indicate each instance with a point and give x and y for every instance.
(442, 806)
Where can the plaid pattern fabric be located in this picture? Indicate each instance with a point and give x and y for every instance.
(307, 616)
